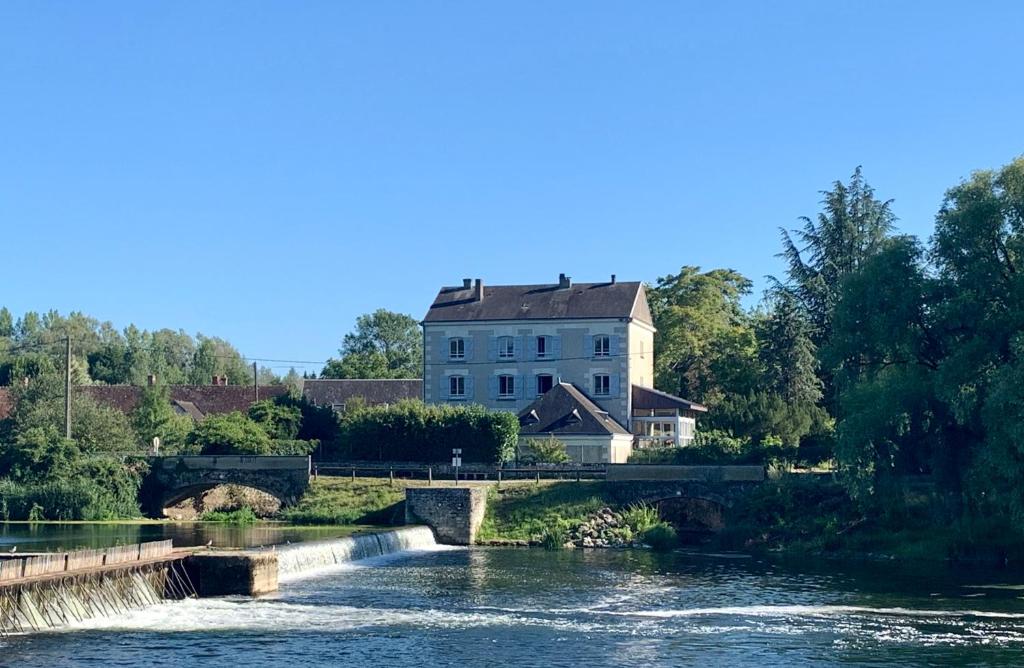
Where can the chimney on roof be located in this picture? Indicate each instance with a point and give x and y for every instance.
(467, 284)
(151, 379)
(613, 279)
(564, 282)
(478, 295)
(223, 380)
(216, 379)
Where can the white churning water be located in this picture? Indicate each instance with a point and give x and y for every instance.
(303, 559)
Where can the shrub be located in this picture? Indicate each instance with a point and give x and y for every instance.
(230, 434)
(640, 517)
(548, 450)
(555, 536)
(661, 537)
(415, 432)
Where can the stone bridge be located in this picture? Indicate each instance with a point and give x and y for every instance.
(690, 497)
(173, 479)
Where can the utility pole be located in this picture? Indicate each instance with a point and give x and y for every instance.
(255, 384)
(67, 388)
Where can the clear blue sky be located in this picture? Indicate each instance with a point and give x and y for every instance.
(268, 171)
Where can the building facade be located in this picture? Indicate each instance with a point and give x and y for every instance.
(506, 346)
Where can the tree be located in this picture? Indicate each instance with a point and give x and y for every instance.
(383, 345)
(95, 428)
(787, 353)
(278, 420)
(704, 340)
(850, 229)
(154, 417)
(229, 434)
(548, 450)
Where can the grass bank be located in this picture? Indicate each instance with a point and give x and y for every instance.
(527, 511)
(798, 515)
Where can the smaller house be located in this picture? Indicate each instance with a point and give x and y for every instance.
(339, 393)
(590, 434)
(663, 420)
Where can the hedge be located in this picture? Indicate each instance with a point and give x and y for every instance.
(412, 431)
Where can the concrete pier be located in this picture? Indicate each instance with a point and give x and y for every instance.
(232, 573)
(454, 513)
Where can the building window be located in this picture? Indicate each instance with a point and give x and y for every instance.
(544, 383)
(506, 348)
(456, 387)
(602, 346)
(338, 408)
(456, 348)
(506, 387)
(602, 384)
(542, 347)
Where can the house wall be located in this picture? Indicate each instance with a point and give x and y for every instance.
(597, 449)
(631, 359)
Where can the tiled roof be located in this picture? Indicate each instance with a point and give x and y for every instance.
(205, 399)
(647, 398)
(328, 391)
(564, 409)
(542, 302)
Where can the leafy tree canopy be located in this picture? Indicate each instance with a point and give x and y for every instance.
(384, 345)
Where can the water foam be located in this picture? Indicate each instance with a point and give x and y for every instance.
(303, 560)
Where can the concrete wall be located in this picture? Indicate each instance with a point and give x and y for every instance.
(230, 574)
(454, 513)
(574, 365)
(609, 449)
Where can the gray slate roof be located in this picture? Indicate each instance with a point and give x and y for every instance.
(327, 391)
(647, 398)
(565, 410)
(622, 299)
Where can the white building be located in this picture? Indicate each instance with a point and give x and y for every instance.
(507, 346)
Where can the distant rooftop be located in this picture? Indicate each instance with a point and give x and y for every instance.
(329, 391)
(562, 300)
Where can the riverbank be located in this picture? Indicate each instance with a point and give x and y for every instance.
(797, 516)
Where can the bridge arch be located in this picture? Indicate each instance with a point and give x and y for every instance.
(173, 479)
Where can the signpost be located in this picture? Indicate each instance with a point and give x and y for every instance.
(456, 463)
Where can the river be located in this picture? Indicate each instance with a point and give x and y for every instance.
(528, 607)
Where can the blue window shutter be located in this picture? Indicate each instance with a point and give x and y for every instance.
(613, 384)
(469, 388)
(445, 388)
(556, 347)
(588, 346)
(517, 348)
(529, 386)
(492, 348)
(469, 347)
(531, 348)
(520, 382)
(613, 345)
(492, 387)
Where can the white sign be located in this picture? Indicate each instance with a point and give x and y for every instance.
(456, 462)
(456, 451)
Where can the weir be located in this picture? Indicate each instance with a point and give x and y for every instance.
(294, 560)
(51, 590)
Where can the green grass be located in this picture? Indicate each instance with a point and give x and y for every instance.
(238, 516)
(524, 512)
(344, 501)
